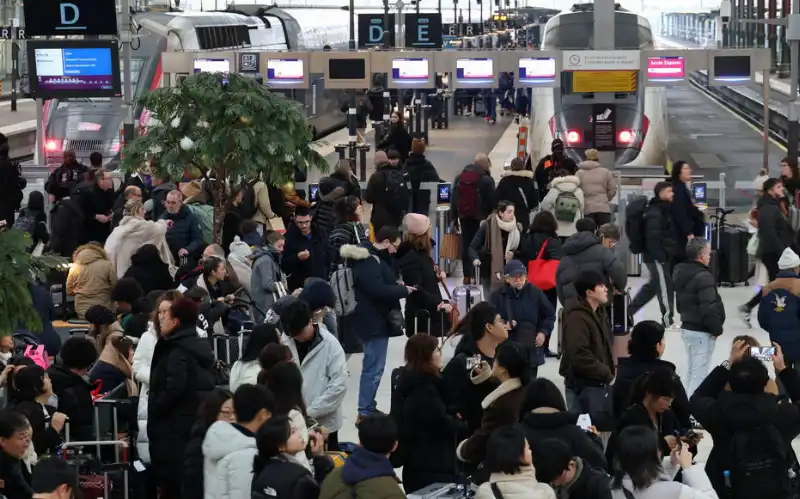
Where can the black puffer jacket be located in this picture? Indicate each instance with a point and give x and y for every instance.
(517, 187)
(185, 232)
(420, 170)
(323, 213)
(149, 270)
(582, 252)
(463, 397)
(384, 211)
(75, 400)
(316, 265)
(345, 233)
(193, 467)
(659, 232)
(67, 222)
(774, 230)
(396, 138)
(417, 270)
(697, 299)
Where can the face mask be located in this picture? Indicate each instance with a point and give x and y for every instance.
(5, 357)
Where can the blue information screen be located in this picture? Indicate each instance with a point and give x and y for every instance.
(74, 69)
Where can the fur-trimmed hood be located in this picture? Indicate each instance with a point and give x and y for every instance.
(354, 252)
(515, 173)
(505, 387)
(570, 183)
(89, 253)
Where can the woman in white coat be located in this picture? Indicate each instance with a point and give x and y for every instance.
(565, 201)
(509, 460)
(640, 472)
(247, 368)
(241, 259)
(132, 233)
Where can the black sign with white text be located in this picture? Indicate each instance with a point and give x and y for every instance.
(249, 62)
(371, 30)
(70, 17)
(423, 31)
(604, 127)
(463, 29)
(7, 33)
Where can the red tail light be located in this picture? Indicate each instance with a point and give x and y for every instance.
(52, 145)
(573, 136)
(626, 137)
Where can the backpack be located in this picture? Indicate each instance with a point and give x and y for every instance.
(38, 355)
(343, 287)
(566, 207)
(26, 221)
(762, 464)
(468, 193)
(204, 215)
(634, 223)
(398, 194)
(249, 205)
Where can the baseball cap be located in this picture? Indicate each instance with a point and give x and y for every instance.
(514, 268)
(51, 473)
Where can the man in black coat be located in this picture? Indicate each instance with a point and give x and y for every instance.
(306, 251)
(180, 377)
(184, 237)
(66, 177)
(74, 393)
(548, 166)
(97, 203)
(775, 233)
(659, 246)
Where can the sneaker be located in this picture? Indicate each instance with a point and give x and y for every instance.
(745, 314)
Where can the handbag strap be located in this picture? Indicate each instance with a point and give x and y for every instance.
(496, 491)
(628, 494)
(541, 250)
(524, 198)
(355, 231)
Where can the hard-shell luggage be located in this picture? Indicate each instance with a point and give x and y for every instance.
(440, 491)
(228, 347)
(468, 295)
(480, 107)
(733, 264)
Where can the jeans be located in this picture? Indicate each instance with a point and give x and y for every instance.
(699, 348)
(371, 373)
(659, 286)
(572, 397)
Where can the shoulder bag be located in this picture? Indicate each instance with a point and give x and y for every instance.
(542, 273)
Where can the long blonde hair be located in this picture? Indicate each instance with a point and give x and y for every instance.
(132, 208)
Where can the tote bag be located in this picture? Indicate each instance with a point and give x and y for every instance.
(542, 273)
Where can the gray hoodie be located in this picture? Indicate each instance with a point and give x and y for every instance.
(264, 280)
(582, 252)
(228, 453)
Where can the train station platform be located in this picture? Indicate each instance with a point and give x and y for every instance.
(26, 111)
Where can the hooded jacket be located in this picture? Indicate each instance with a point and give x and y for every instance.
(91, 278)
(561, 185)
(517, 187)
(775, 233)
(75, 400)
(659, 232)
(376, 290)
(779, 313)
(142, 362)
(324, 361)
(130, 235)
(697, 298)
(150, 271)
(323, 213)
(598, 186)
(228, 452)
(240, 258)
(35, 209)
(264, 280)
(420, 170)
(352, 233)
(546, 422)
(66, 218)
(522, 485)
(157, 198)
(583, 252)
(487, 195)
(185, 232)
(587, 357)
(365, 475)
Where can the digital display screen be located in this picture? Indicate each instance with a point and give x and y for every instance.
(666, 68)
(290, 70)
(699, 190)
(212, 66)
(410, 69)
(88, 70)
(537, 69)
(475, 69)
(732, 67)
(347, 69)
(443, 193)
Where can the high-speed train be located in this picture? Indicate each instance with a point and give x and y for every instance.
(86, 125)
(641, 115)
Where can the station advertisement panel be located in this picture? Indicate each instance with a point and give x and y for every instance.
(666, 68)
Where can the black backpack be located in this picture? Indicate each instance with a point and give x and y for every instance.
(398, 192)
(249, 204)
(634, 223)
(762, 464)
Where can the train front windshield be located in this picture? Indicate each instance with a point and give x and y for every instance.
(579, 35)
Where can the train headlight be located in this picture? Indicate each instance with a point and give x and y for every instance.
(626, 136)
(573, 136)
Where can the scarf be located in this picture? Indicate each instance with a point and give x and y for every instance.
(110, 355)
(494, 243)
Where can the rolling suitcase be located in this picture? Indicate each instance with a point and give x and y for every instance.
(468, 295)
(731, 265)
(441, 491)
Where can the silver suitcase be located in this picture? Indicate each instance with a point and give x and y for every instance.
(440, 491)
(468, 295)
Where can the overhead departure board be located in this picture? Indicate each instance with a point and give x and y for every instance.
(603, 81)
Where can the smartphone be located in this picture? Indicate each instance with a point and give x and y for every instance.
(762, 353)
(313, 192)
(584, 422)
(473, 362)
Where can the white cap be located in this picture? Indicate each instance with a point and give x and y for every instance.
(788, 260)
(758, 183)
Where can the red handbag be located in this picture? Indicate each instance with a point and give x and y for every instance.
(542, 273)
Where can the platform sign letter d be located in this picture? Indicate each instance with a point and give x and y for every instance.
(69, 13)
(375, 34)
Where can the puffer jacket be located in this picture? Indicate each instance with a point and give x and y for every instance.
(659, 232)
(345, 233)
(264, 280)
(779, 313)
(323, 213)
(346, 180)
(142, 361)
(517, 187)
(775, 233)
(240, 258)
(598, 187)
(697, 298)
(185, 232)
(91, 278)
(560, 185)
(228, 452)
(583, 252)
(420, 170)
(149, 270)
(522, 485)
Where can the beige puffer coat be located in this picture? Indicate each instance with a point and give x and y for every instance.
(598, 187)
(91, 278)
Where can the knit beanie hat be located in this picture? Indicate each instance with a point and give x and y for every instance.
(318, 294)
(240, 248)
(417, 224)
(788, 260)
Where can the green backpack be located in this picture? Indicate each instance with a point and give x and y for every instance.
(204, 214)
(567, 207)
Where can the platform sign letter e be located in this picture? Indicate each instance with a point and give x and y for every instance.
(423, 30)
(69, 16)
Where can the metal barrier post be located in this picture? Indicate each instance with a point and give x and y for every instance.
(417, 114)
(723, 191)
(340, 149)
(378, 128)
(363, 149)
(425, 109)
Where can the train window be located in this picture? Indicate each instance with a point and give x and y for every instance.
(580, 36)
(217, 37)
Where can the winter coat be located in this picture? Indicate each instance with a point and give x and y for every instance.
(11, 185)
(464, 396)
(687, 219)
(420, 170)
(180, 378)
(775, 234)
(417, 270)
(43, 303)
(142, 362)
(365, 475)
(697, 298)
(583, 252)
(630, 369)
(533, 314)
(546, 171)
(283, 477)
(150, 271)
(397, 138)
(35, 210)
(228, 452)
(157, 198)
(659, 233)
(586, 359)
(193, 473)
(558, 186)
(240, 258)
(66, 218)
(694, 485)
(779, 313)
(75, 400)
(264, 280)
(376, 290)
(480, 248)
(15, 477)
(500, 408)
(545, 422)
(352, 233)
(243, 373)
(323, 213)
(316, 265)
(130, 235)
(427, 431)
(517, 187)
(348, 182)
(230, 228)
(532, 243)
(45, 439)
(384, 212)
(636, 415)
(91, 278)
(264, 208)
(324, 361)
(64, 179)
(722, 413)
(487, 194)
(96, 201)
(522, 485)
(598, 186)
(185, 232)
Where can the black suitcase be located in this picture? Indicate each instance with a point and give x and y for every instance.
(731, 263)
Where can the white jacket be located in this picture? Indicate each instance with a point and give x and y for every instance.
(324, 378)
(142, 360)
(131, 234)
(227, 462)
(244, 373)
(696, 485)
(559, 185)
(239, 258)
(523, 485)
